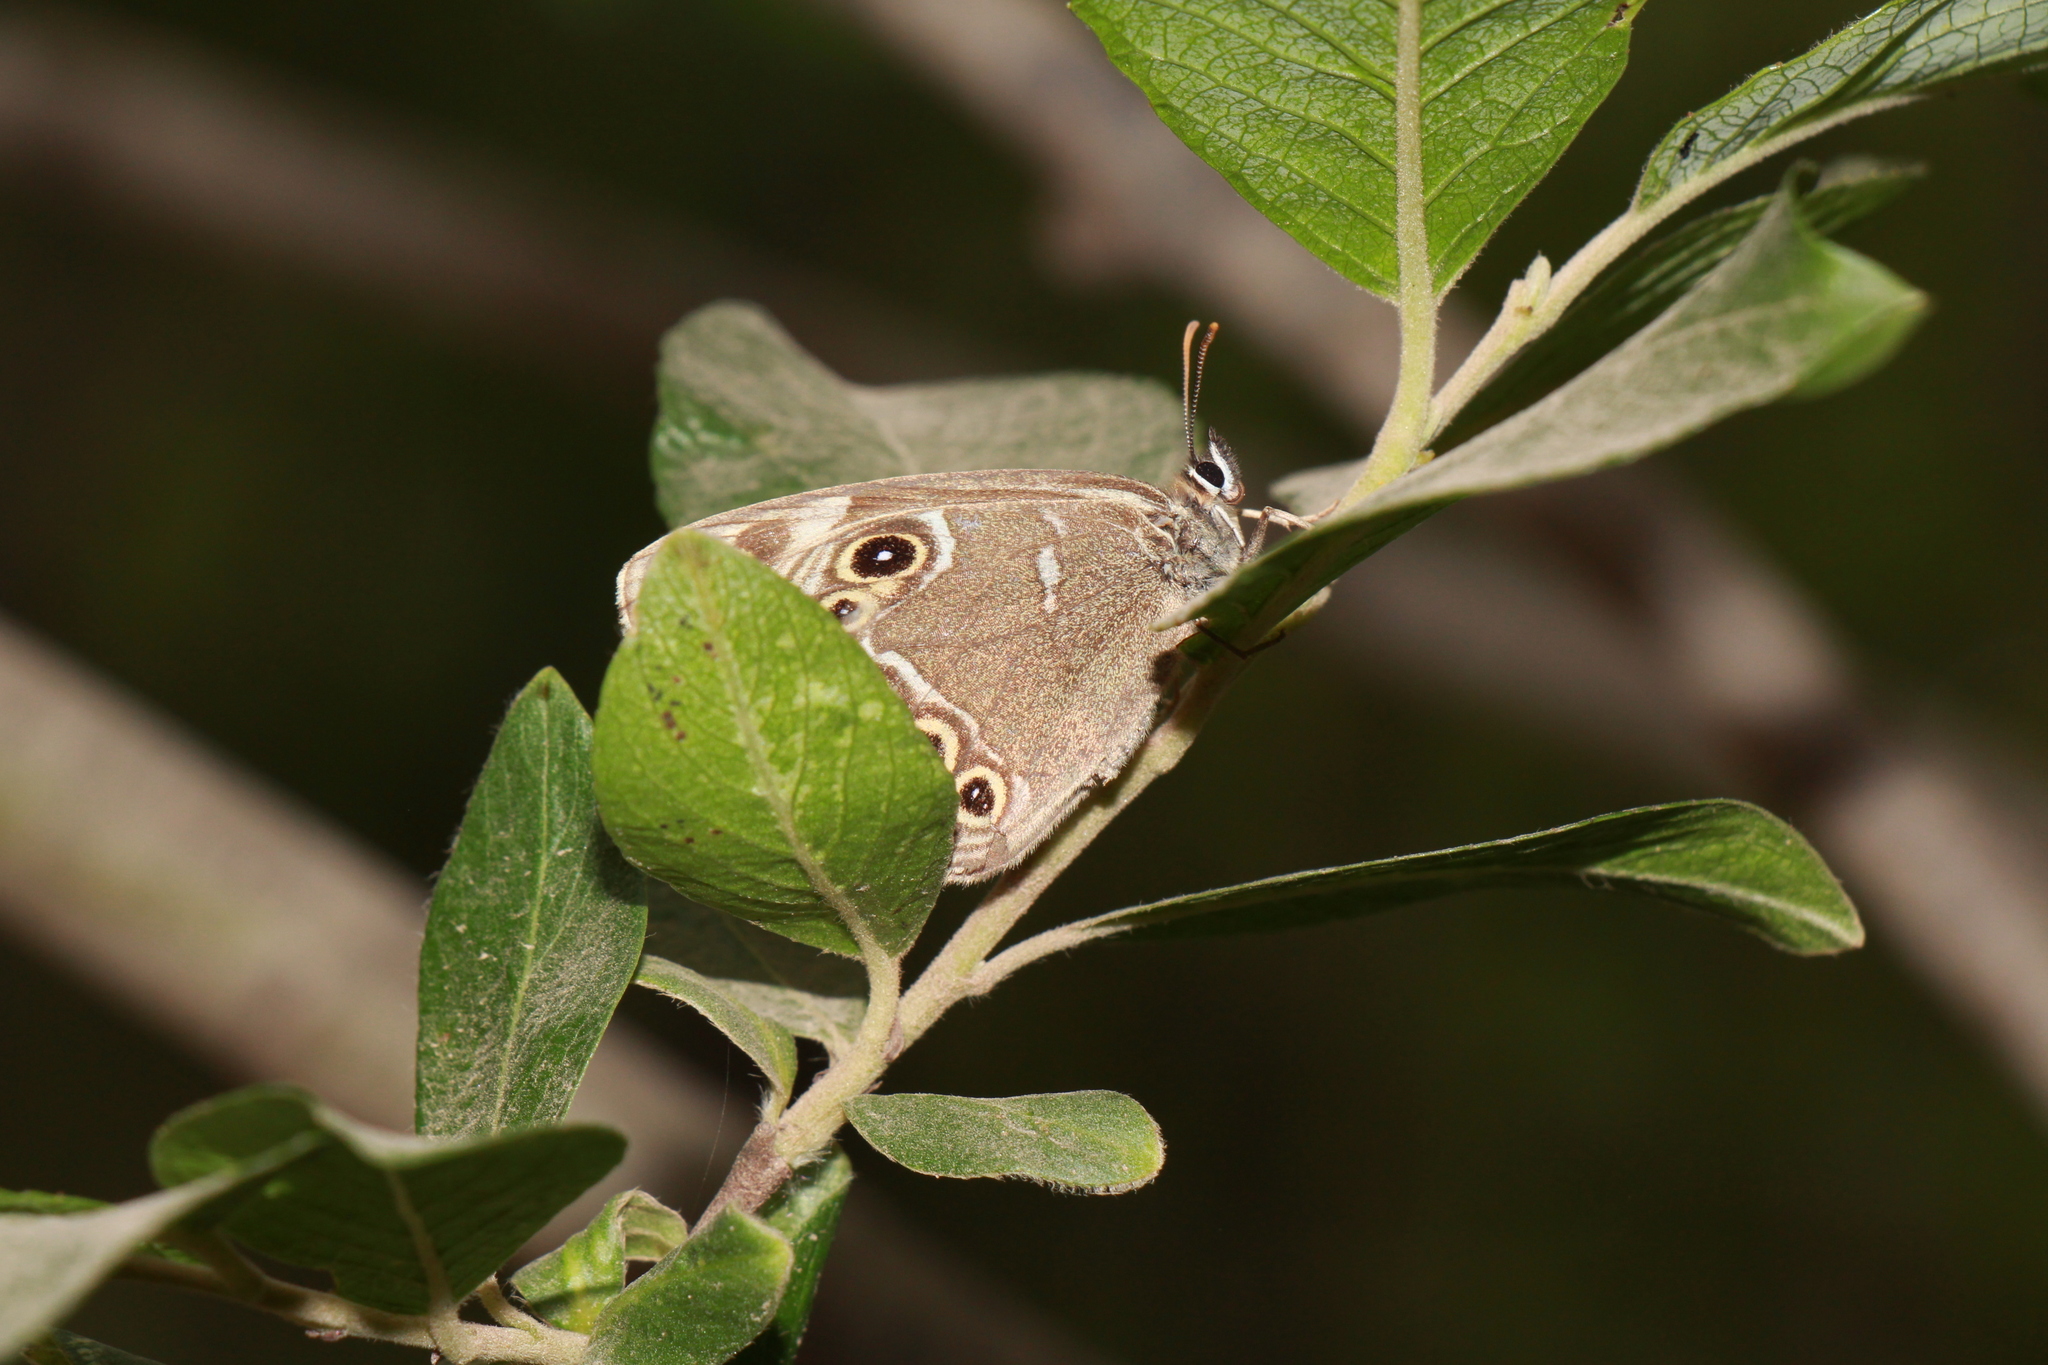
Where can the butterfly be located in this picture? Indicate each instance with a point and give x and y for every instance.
(1014, 611)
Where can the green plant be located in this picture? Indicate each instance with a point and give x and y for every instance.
(1391, 137)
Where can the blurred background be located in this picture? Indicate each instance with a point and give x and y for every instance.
(326, 337)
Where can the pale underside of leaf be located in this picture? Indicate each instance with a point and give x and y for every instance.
(1900, 51)
(1089, 1141)
(748, 415)
(1779, 311)
(813, 994)
(1727, 858)
(768, 1044)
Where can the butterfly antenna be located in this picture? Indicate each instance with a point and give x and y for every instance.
(1192, 362)
(1201, 361)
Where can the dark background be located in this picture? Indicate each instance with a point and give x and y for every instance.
(334, 538)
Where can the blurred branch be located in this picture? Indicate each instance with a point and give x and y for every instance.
(241, 922)
(144, 127)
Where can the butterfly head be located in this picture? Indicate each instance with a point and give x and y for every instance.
(1210, 485)
(1213, 474)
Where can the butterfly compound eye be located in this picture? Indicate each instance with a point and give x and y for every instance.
(1218, 473)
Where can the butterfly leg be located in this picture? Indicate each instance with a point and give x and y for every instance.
(1268, 517)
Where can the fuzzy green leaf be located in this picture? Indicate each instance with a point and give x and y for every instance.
(1089, 1141)
(748, 415)
(768, 1044)
(65, 1348)
(39, 1201)
(1727, 858)
(534, 931)
(49, 1261)
(571, 1285)
(403, 1223)
(753, 757)
(703, 1303)
(1293, 102)
(1787, 313)
(1656, 274)
(1903, 50)
(806, 1212)
(811, 993)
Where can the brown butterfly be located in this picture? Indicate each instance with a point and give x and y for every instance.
(1013, 610)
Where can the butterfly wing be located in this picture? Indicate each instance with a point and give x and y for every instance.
(1011, 610)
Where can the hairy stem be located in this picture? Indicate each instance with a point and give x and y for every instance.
(1512, 331)
(1403, 434)
(776, 1148)
(897, 1018)
(961, 968)
(535, 1343)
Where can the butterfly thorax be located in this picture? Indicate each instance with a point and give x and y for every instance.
(1208, 539)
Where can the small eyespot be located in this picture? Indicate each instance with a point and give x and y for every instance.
(851, 608)
(1209, 472)
(883, 556)
(944, 738)
(982, 795)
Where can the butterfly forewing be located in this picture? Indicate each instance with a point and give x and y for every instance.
(1012, 610)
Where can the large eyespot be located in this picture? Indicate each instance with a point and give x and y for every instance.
(852, 607)
(944, 738)
(983, 794)
(889, 555)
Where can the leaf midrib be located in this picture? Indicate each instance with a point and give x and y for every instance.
(755, 746)
(529, 942)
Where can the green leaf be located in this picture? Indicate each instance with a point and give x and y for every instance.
(1785, 314)
(49, 1261)
(39, 1201)
(1727, 858)
(534, 931)
(1293, 102)
(704, 1302)
(747, 415)
(752, 756)
(572, 1284)
(64, 1348)
(1089, 1141)
(768, 1044)
(806, 1212)
(403, 1223)
(1900, 51)
(1656, 274)
(811, 993)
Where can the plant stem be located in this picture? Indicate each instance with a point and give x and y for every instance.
(316, 1311)
(776, 1148)
(896, 1019)
(1402, 435)
(960, 969)
(1510, 333)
